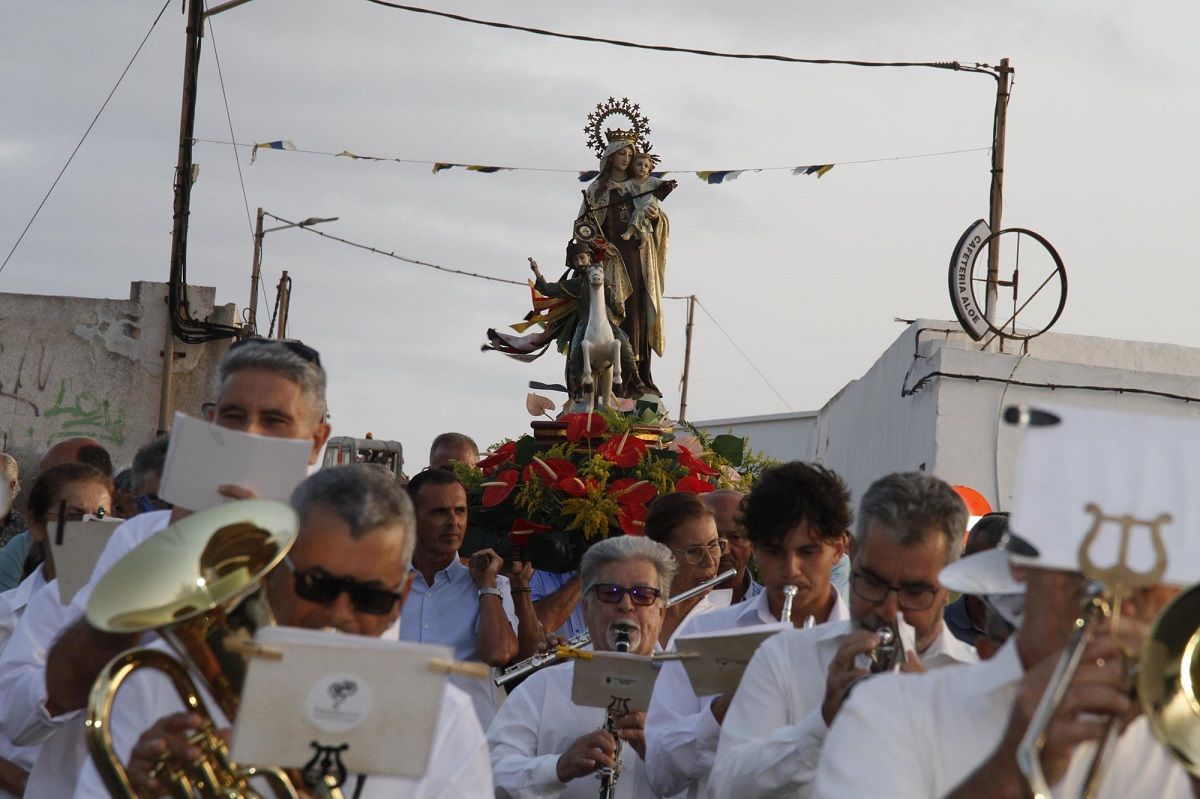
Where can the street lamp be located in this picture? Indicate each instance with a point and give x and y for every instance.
(252, 321)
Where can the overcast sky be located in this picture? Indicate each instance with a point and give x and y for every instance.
(806, 275)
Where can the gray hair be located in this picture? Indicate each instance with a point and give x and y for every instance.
(453, 440)
(150, 459)
(625, 547)
(364, 498)
(274, 356)
(914, 506)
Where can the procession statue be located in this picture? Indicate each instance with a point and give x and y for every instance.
(623, 229)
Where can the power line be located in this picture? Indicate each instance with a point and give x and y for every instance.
(742, 353)
(103, 105)
(950, 65)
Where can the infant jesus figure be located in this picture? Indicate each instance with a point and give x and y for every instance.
(645, 192)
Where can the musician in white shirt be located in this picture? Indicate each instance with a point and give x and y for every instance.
(348, 570)
(542, 743)
(910, 525)
(796, 517)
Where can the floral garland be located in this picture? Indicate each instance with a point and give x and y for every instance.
(550, 502)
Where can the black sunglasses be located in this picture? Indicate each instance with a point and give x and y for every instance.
(611, 593)
(323, 588)
(298, 348)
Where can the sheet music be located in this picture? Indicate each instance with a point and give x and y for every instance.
(378, 699)
(76, 553)
(203, 456)
(722, 655)
(608, 677)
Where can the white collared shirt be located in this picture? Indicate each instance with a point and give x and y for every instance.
(458, 761)
(447, 613)
(535, 726)
(713, 600)
(681, 731)
(13, 602)
(930, 731)
(773, 734)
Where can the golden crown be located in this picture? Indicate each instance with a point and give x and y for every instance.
(637, 135)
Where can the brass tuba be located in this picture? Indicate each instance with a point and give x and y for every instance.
(1169, 680)
(198, 585)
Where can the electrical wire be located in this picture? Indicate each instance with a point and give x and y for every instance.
(950, 65)
(92, 124)
(743, 354)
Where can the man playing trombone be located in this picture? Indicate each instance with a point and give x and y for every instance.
(910, 525)
(1094, 492)
(796, 518)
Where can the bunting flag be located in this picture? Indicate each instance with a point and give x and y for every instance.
(713, 177)
(487, 170)
(818, 170)
(271, 145)
(348, 154)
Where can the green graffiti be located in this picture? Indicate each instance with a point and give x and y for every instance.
(87, 415)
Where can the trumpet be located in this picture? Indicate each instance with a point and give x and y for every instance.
(548, 658)
(789, 596)
(197, 583)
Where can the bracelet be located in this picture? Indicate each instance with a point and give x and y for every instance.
(521, 590)
(492, 591)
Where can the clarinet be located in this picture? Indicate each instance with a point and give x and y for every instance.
(608, 776)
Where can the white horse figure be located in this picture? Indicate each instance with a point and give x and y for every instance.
(599, 350)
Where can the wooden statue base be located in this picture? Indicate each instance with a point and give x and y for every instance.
(554, 432)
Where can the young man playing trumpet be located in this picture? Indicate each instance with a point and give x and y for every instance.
(796, 518)
(909, 526)
(1085, 482)
(542, 743)
(347, 571)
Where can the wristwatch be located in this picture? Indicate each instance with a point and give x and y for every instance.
(492, 591)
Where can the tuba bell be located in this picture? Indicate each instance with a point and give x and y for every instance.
(198, 584)
(1168, 684)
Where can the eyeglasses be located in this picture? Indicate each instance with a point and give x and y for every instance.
(298, 348)
(611, 594)
(909, 597)
(694, 555)
(147, 503)
(322, 588)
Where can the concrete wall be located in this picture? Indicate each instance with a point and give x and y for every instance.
(79, 366)
(782, 436)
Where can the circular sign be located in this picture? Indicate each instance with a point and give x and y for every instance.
(338, 702)
(1030, 282)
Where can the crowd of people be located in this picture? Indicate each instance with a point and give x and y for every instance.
(878, 686)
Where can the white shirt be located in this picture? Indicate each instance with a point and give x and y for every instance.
(929, 732)
(773, 734)
(535, 726)
(681, 731)
(13, 602)
(458, 761)
(448, 613)
(713, 600)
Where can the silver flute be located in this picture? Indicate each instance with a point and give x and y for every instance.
(548, 658)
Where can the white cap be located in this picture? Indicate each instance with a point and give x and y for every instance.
(1079, 469)
(981, 573)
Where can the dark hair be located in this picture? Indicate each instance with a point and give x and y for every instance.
(437, 477)
(96, 457)
(52, 482)
(792, 493)
(669, 511)
(150, 459)
(987, 532)
(453, 440)
(914, 506)
(47, 488)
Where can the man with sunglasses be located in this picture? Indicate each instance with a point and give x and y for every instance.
(347, 571)
(542, 743)
(910, 525)
(267, 387)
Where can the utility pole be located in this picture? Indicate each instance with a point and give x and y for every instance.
(687, 359)
(285, 296)
(183, 201)
(996, 200)
(255, 271)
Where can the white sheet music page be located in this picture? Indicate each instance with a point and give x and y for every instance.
(722, 656)
(203, 456)
(76, 553)
(614, 679)
(369, 703)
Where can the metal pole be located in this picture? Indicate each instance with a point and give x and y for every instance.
(996, 200)
(255, 271)
(687, 359)
(285, 296)
(183, 198)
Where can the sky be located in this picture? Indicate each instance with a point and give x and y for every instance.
(799, 278)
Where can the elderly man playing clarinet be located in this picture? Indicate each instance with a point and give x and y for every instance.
(542, 744)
